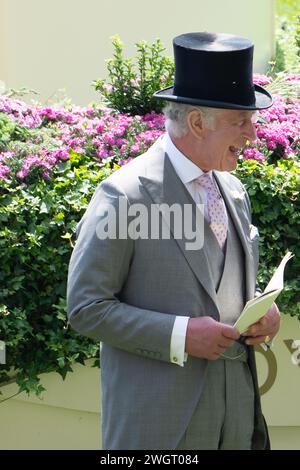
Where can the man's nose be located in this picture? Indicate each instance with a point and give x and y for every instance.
(250, 131)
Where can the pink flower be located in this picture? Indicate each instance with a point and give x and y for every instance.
(61, 154)
(124, 162)
(150, 136)
(102, 152)
(107, 88)
(120, 142)
(22, 173)
(109, 138)
(123, 149)
(135, 148)
(253, 154)
(271, 145)
(99, 133)
(261, 80)
(4, 170)
(154, 120)
(100, 126)
(293, 77)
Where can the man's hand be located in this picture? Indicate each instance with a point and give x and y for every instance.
(268, 325)
(207, 338)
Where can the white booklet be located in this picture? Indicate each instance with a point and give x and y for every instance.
(258, 307)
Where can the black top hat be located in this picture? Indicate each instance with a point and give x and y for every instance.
(215, 70)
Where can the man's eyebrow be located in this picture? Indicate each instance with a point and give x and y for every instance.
(246, 113)
(242, 114)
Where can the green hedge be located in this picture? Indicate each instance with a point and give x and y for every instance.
(37, 233)
(274, 194)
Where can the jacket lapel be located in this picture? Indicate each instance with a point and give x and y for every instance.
(237, 211)
(165, 187)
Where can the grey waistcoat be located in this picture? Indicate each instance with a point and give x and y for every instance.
(228, 272)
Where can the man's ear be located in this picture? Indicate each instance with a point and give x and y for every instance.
(195, 123)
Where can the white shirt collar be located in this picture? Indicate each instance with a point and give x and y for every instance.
(184, 167)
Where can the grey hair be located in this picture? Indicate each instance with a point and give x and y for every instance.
(176, 117)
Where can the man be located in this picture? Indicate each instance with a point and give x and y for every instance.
(174, 373)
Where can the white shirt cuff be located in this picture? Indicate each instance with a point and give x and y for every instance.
(268, 345)
(177, 349)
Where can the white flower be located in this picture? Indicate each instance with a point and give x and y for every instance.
(238, 195)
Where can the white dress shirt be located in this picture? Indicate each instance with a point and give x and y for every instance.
(188, 172)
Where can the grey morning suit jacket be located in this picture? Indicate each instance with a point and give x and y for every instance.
(126, 294)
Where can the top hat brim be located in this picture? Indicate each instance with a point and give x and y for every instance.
(263, 100)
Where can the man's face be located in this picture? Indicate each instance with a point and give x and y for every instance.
(220, 147)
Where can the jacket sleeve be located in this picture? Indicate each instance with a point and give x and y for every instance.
(97, 272)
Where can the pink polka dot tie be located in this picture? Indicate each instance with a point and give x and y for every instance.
(216, 209)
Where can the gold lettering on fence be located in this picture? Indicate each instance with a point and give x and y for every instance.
(293, 347)
(272, 369)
